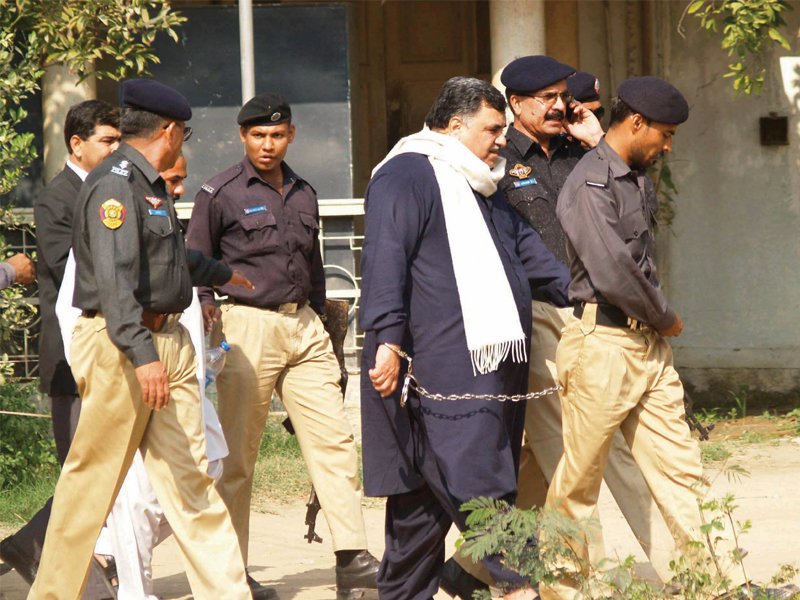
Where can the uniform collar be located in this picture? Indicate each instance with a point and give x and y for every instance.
(524, 144)
(138, 159)
(619, 168)
(289, 176)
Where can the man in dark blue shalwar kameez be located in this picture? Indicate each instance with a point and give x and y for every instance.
(447, 273)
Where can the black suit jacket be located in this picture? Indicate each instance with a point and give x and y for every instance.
(53, 212)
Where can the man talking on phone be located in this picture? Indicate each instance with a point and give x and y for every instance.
(550, 133)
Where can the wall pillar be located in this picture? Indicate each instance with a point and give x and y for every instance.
(517, 28)
(60, 90)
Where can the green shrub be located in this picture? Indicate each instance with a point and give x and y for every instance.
(27, 449)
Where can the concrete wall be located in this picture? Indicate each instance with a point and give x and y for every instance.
(731, 265)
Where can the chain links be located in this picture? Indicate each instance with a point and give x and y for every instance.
(499, 397)
(410, 382)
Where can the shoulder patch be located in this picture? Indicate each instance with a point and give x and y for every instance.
(121, 168)
(596, 173)
(220, 180)
(112, 213)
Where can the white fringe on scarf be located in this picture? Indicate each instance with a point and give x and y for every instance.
(489, 311)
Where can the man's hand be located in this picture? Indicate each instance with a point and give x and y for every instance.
(24, 268)
(240, 280)
(154, 383)
(675, 329)
(384, 374)
(584, 127)
(211, 314)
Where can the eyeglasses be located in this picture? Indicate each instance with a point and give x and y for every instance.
(550, 98)
(187, 131)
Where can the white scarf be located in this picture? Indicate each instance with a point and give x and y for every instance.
(491, 320)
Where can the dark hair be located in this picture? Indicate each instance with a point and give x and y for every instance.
(619, 111)
(84, 117)
(463, 96)
(137, 123)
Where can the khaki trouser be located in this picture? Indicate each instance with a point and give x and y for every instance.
(543, 447)
(290, 354)
(615, 379)
(113, 424)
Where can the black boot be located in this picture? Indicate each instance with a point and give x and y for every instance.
(261, 592)
(356, 573)
(457, 583)
(14, 557)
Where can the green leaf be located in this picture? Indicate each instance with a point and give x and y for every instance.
(695, 6)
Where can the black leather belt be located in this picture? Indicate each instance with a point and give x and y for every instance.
(611, 316)
(154, 321)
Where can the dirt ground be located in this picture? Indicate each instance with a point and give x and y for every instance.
(281, 557)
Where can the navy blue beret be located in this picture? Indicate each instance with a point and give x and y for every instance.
(155, 97)
(584, 86)
(532, 73)
(265, 109)
(654, 99)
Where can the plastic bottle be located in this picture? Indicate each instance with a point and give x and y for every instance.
(215, 360)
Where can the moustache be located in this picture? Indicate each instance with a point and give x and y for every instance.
(554, 115)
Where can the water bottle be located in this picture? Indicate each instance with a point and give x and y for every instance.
(215, 360)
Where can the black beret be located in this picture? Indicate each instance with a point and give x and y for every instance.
(155, 97)
(584, 86)
(654, 99)
(265, 109)
(531, 73)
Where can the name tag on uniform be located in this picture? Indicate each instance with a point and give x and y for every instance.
(253, 210)
(158, 212)
(525, 182)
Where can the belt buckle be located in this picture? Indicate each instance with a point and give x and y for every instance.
(634, 324)
(288, 308)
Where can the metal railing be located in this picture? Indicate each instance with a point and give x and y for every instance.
(340, 220)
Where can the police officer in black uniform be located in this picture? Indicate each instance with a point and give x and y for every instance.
(261, 217)
(133, 362)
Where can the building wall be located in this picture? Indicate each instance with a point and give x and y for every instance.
(730, 262)
(733, 260)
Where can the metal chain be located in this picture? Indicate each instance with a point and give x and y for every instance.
(410, 382)
(499, 397)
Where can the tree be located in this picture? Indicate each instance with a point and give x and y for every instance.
(80, 34)
(748, 28)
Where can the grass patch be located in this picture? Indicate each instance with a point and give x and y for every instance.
(20, 503)
(280, 473)
(713, 452)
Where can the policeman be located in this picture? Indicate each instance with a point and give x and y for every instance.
(543, 149)
(134, 364)
(261, 217)
(585, 88)
(614, 363)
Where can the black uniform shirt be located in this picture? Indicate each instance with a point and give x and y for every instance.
(608, 214)
(130, 254)
(272, 238)
(533, 180)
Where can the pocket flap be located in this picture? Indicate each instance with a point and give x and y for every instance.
(258, 221)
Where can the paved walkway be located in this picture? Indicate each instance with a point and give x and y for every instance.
(770, 497)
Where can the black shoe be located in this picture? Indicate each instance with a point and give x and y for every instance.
(13, 556)
(457, 583)
(762, 593)
(261, 592)
(356, 572)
